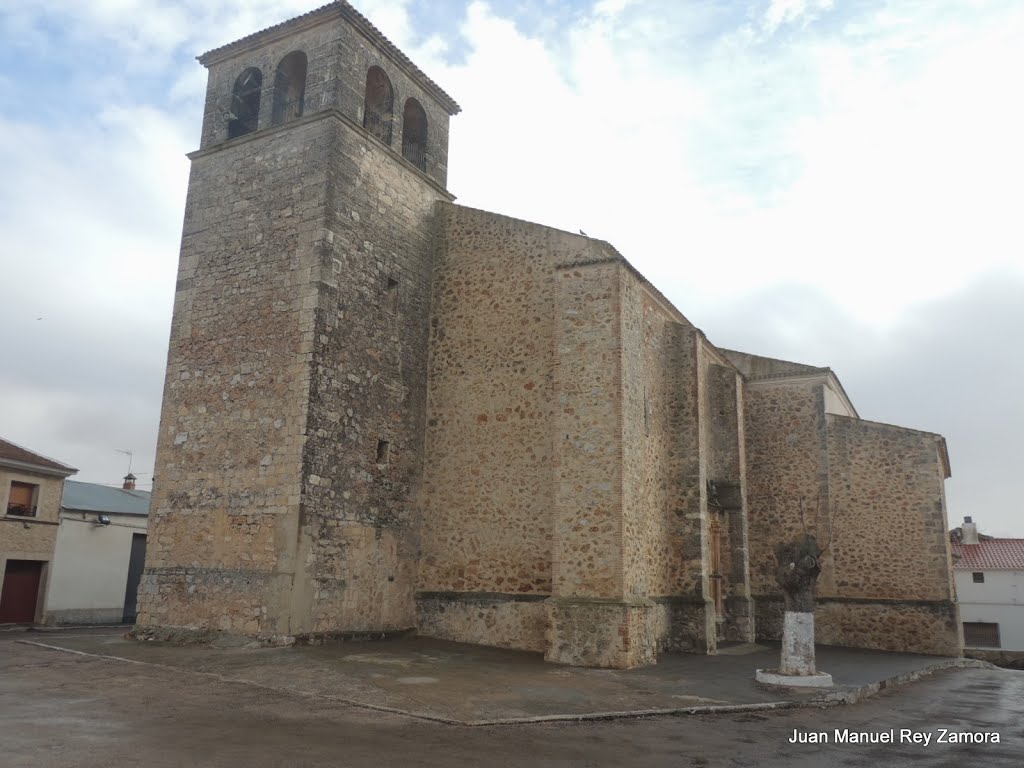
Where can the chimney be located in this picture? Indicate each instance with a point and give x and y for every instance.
(129, 485)
(968, 532)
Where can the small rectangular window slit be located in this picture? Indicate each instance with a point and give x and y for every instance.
(392, 296)
(383, 451)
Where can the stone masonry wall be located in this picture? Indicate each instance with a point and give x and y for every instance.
(367, 401)
(891, 536)
(885, 580)
(785, 456)
(489, 475)
(555, 385)
(338, 58)
(589, 473)
(294, 404)
(646, 447)
(225, 508)
(656, 398)
(902, 626)
(679, 407)
(662, 513)
(727, 472)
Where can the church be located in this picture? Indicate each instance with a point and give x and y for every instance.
(385, 412)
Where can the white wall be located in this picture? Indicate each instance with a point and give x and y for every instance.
(1000, 599)
(90, 568)
(835, 403)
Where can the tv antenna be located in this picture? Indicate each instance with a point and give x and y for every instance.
(129, 455)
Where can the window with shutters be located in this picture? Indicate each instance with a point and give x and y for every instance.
(23, 499)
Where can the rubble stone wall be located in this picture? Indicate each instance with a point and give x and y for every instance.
(786, 463)
(489, 488)
(589, 550)
(886, 576)
(891, 537)
(657, 401)
(488, 481)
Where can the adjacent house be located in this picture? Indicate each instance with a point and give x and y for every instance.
(989, 575)
(100, 552)
(30, 498)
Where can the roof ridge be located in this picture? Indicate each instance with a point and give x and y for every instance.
(989, 554)
(36, 454)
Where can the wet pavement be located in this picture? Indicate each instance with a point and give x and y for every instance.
(468, 684)
(62, 709)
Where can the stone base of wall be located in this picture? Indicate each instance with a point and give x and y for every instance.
(684, 624)
(75, 616)
(331, 638)
(206, 637)
(1008, 659)
(739, 619)
(591, 632)
(218, 600)
(903, 626)
(495, 619)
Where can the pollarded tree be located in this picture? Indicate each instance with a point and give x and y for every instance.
(798, 567)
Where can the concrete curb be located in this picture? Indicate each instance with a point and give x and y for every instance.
(851, 695)
(848, 695)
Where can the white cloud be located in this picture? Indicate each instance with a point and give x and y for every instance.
(782, 12)
(868, 152)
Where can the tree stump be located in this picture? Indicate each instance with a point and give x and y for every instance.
(797, 575)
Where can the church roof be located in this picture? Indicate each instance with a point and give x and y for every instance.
(989, 555)
(16, 457)
(337, 9)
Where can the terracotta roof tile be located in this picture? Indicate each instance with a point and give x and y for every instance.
(11, 452)
(993, 554)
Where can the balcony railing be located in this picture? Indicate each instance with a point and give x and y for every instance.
(416, 154)
(21, 510)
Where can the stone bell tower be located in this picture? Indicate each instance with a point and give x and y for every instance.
(292, 423)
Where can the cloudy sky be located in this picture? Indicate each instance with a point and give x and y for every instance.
(833, 182)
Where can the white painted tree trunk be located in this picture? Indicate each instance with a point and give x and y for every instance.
(798, 644)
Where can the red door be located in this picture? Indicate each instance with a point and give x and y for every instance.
(21, 591)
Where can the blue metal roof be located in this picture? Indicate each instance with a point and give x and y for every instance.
(91, 497)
